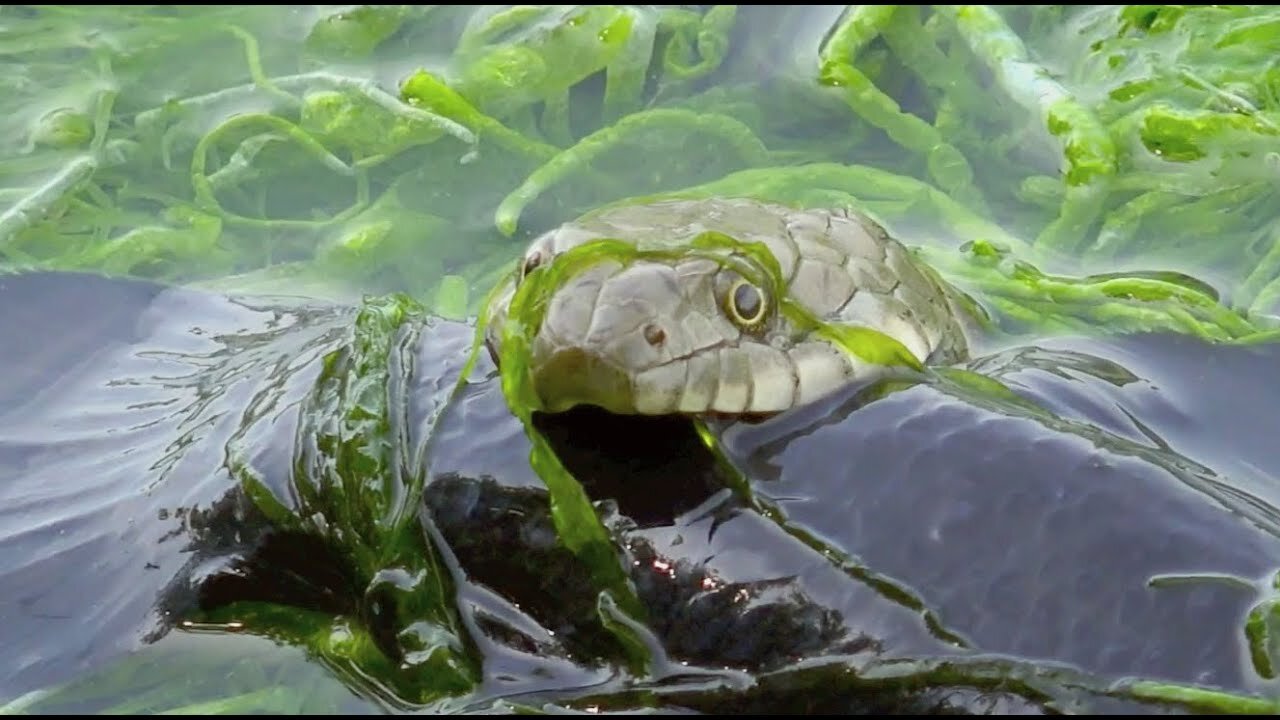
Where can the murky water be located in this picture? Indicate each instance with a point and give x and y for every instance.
(254, 462)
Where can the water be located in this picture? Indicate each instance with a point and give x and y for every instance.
(128, 411)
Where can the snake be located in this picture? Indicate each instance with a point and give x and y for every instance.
(675, 330)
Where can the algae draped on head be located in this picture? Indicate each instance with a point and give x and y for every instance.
(575, 518)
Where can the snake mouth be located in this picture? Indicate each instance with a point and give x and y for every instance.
(632, 460)
(573, 376)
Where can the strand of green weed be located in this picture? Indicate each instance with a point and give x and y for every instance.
(40, 201)
(1052, 315)
(983, 263)
(1120, 226)
(1264, 272)
(509, 78)
(148, 121)
(711, 41)
(576, 522)
(1234, 101)
(1201, 228)
(919, 53)
(861, 182)
(396, 106)
(963, 108)
(1262, 336)
(740, 138)
(572, 514)
(102, 109)
(1084, 293)
(860, 25)
(254, 58)
(554, 120)
(947, 165)
(1183, 183)
(1088, 149)
(1040, 190)
(1217, 208)
(1196, 698)
(626, 76)
(1128, 317)
(477, 35)
(1132, 303)
(207, 199)
(1184, 135)
(423, 89)
(583, 535)
(1003, 307)
(403, 110)
(713, 36)
(239, 168)
(311, 145)
(1267, 301)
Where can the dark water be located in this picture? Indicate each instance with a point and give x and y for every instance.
(935, 521)
(1036, 532)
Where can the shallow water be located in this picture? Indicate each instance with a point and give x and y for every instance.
(1142, 480)
(129, 413)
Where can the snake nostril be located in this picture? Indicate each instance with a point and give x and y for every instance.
(654, 334)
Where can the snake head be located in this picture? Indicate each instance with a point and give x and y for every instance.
(670, 323)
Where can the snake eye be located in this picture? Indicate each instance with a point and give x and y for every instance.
(745, 303)
(531, 262)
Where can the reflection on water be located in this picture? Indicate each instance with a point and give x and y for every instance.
(254, 672)
(112, 439)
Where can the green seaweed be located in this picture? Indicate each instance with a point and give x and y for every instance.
(352, 489)
(355, 32)
(575, 518)
(738, 138)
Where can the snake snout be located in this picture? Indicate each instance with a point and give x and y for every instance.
(574, 376)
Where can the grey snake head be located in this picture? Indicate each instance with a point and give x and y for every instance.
(755, 320)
